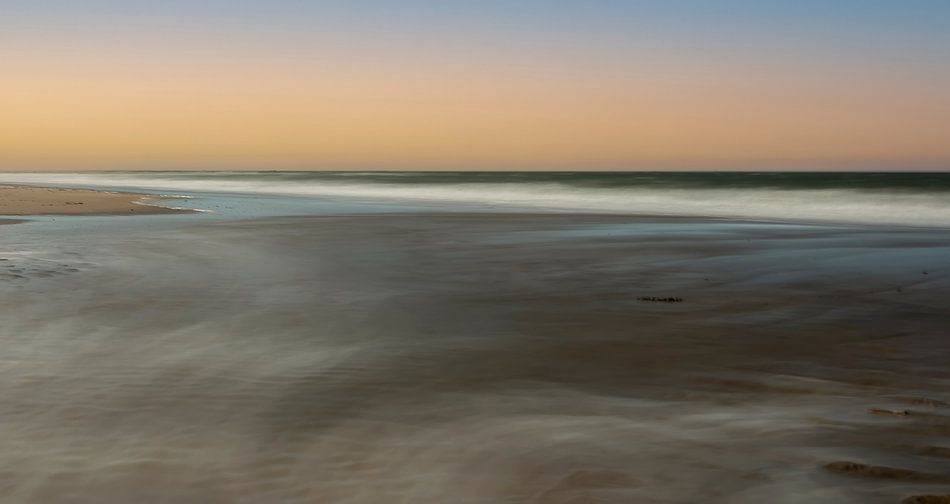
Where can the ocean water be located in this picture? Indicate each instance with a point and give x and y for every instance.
(908, 199)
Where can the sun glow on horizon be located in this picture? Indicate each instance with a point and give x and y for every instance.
(312, 88)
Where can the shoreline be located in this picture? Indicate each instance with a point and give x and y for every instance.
(26, 200)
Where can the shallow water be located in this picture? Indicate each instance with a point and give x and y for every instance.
(430, 357)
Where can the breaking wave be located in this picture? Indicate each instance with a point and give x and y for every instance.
(887, 199)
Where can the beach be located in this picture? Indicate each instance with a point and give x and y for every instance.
(402, 354)
(26, 200)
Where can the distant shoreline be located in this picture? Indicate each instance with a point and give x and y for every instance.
(21, 200)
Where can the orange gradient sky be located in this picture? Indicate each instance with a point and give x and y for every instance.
(305, 89)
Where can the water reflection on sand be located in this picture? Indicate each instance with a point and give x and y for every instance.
(472, 358)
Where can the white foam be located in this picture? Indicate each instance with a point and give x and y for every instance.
(819, 205)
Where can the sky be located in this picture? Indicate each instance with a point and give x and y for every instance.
(475, 84)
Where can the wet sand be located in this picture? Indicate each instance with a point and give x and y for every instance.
(28, 200)
(477, 358)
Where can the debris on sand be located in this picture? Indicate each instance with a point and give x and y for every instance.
(655, 299)
(882, 472)
(885, 412)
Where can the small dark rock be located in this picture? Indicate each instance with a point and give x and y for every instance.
(882, 472)
(927, 499)
(884, 412)
(656, 299)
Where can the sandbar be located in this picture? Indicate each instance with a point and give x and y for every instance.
(30, 200)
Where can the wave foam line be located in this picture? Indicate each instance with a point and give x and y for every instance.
(814, 205)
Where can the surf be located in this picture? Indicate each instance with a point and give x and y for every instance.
(865, 199)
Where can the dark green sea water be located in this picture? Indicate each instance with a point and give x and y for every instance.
(918, 181)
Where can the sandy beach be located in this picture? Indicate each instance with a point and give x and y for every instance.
(27, 200)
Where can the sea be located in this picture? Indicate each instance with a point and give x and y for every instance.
(892, 198)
